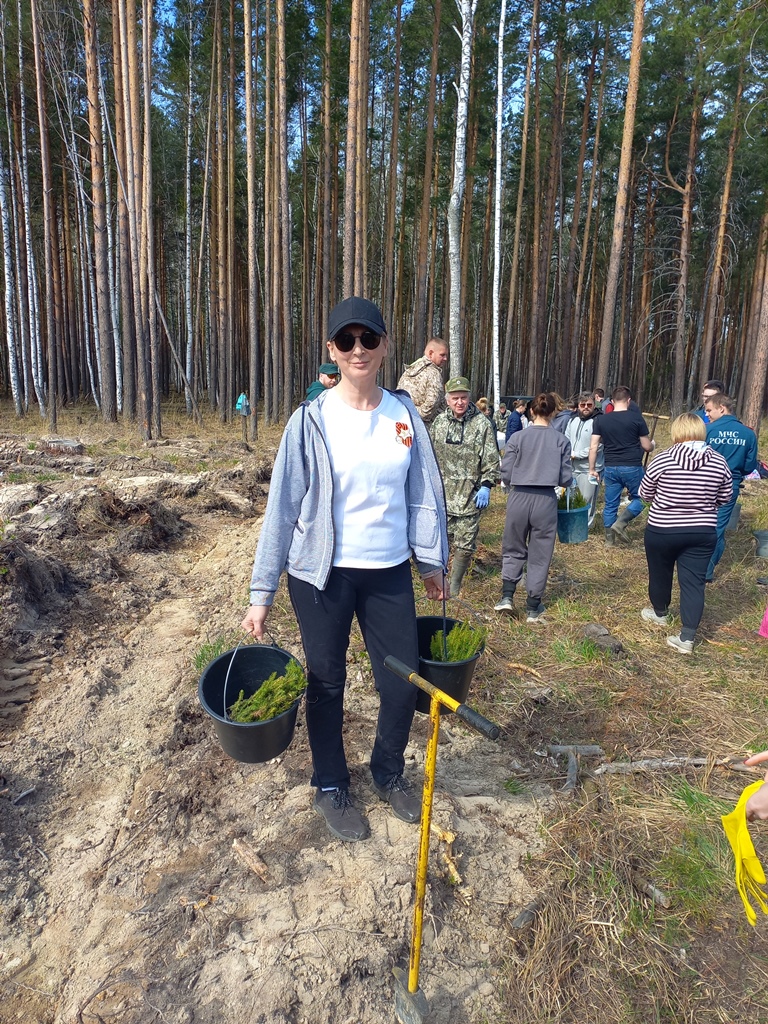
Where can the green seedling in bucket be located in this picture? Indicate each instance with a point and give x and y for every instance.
(463, 642)
(576, 500)
(273, 697)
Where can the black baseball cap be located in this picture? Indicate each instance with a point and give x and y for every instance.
(356, 311)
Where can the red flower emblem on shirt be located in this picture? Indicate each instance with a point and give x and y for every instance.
(404, 435)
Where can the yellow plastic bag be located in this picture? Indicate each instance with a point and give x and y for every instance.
(750, 876)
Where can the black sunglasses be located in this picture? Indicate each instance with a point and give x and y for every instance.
(346, 342)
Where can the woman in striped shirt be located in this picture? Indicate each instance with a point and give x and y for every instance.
(684, 485)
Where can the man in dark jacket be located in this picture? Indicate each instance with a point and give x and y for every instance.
(738, 445)
(328, 376)
(711, 388)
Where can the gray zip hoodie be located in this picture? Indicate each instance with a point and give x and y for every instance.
(297, 531)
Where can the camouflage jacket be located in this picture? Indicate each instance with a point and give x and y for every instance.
(424, 383)
(467, 456)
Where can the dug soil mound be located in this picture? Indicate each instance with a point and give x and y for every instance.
(146, 875)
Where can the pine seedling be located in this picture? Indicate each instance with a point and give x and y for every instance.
(273, 697)
(462, 642)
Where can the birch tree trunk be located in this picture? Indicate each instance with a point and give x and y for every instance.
(622, 197)
(421, 329)
(48, 219)
(107, 381)
(467, 10)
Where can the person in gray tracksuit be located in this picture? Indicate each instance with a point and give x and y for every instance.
(535, 462)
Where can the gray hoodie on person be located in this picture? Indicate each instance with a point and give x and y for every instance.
(537, 457)
(297, 533)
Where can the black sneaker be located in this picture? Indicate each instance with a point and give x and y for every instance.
(341, 816)
(402, 798)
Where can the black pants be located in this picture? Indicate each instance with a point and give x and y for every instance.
(382, 600)
(690, 549)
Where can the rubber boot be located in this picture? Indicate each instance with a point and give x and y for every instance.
(610, 537)
(461, 560)
(621, 524)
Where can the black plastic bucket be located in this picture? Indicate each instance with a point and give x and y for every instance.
(452, 677)
(573, 525)
(250, 742)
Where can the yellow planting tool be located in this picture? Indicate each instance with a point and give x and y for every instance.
(411, 1006)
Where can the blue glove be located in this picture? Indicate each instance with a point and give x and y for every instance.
(482, 497)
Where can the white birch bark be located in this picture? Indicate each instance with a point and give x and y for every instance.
(10, 315)
(33, 302)
(14, 328)
(467, 10)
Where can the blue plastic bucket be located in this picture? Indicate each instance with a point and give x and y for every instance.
(250, 742)
(573, 525)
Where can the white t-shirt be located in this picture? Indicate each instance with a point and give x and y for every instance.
(370, 454)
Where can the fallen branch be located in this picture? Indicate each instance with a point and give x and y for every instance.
(572, 753)
(20, 797)
(648, 764)
(250, 858)
(524, 668)
(641, 883)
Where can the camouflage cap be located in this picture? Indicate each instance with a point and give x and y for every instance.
(457, 384)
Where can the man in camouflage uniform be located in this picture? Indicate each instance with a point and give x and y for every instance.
(423, 380)
(466, 452)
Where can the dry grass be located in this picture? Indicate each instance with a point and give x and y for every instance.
(599, 950)
(83, 422)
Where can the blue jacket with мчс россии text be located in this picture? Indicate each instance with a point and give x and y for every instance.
(736, 443)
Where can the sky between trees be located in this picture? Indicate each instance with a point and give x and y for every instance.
(186, 190)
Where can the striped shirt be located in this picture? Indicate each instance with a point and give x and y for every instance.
(685, 485)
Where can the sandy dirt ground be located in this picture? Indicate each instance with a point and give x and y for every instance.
(123, 897)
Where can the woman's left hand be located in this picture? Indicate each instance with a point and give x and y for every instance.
(434, 587)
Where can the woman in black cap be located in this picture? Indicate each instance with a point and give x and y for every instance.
(355, 493)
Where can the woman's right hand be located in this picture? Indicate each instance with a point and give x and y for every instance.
(254, 620)
(757, 805)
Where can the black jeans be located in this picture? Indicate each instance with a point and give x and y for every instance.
(690, 549)
(382, 600)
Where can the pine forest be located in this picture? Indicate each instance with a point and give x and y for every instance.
(572, 194)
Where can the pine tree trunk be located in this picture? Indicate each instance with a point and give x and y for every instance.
(622, 196)
(511, 308)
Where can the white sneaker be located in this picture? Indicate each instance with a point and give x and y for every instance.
(650, 616)
(504, 605)
(683, 646)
